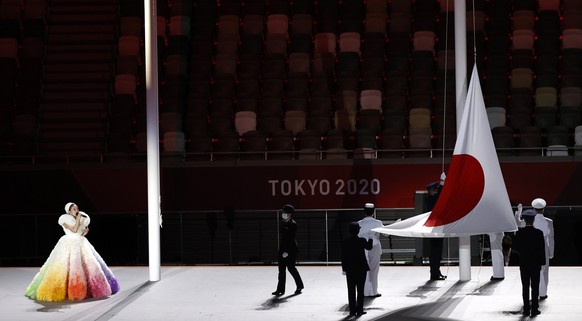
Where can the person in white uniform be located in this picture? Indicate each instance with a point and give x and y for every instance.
(546, 225)
(373, 256)
(497, 258)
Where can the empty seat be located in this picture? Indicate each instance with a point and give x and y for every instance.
(504, 140)
(557, 150)
(419, 118)
(521, 78)
(269, 121)
(301, 43)
(179, 26)
(129, 46)
(253, 145)
(295, 121)
(131, 26)
(345, 119)
(572, 19)
(221, 123)
(570, 116)
(301, 23)
(228, 25)
(325, 42)
(371, 99)
(420, 139)
(226, 146)
(174, 142)
(375, 21)
(394, 118)
(390, 143)
(558, 140)
(336, 142)
(530, 141)
(245, 121)
(281, 145)
(276, 44)
(126, 84)
(365, 144)
(545, 116)
(523, 19)
(253, 24)
(423, 41)
(369, 119)
(299, 62)
(347, 99)
(309, 144)
(199, 146)
(9, 49)
(571, 96)
(170, 122)
(523, 39)
(323, 63)
(349, 42)
(496, 116)
(558, 135)
(546, 96)
(278, 24)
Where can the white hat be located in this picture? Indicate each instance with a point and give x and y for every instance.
(369, 205)
(538, 203)
(68, 206)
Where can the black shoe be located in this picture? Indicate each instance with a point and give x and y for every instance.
(525, 312)
(298, 291)
(534, 313)
(496, 279)
(437, 277)
(361, 313)
(278, 293)
(543, 297)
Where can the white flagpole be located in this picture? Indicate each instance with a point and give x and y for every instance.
(461, 94)
(153, 141)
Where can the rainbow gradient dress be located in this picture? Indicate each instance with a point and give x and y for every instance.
(73, 270)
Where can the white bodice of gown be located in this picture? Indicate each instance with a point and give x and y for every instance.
(70, 220)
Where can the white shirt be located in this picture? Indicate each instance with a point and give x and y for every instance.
(366, 226)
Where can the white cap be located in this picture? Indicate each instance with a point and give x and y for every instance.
(369, 205)
(68, 206)
(538, 203)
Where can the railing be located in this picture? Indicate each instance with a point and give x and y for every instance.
(563, 153)
(189, 238)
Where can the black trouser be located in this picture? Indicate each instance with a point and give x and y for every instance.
(530, 276)
(356, 282)
(436, 250)
(289, 264)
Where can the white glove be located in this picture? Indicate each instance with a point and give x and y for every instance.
(343, 272)
(443, 177)
(284, 255)
(519, 210)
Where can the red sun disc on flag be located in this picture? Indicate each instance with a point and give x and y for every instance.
(462, 192)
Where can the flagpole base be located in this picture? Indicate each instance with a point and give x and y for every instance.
(464, 258)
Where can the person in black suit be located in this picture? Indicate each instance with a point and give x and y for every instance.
(288, 249)
(436, 243)
(355, 267)
(529, 243)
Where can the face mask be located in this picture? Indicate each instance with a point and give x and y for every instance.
(285, 216)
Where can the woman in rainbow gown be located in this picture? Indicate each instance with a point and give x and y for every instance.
(73, 270)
